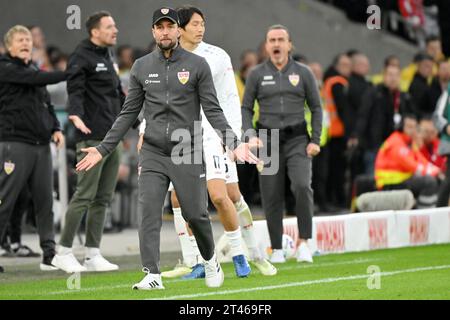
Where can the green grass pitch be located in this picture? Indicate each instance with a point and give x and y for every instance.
(421, 272)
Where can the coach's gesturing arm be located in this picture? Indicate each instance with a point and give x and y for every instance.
(127, 117)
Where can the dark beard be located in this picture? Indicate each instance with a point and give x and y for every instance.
(168, 47)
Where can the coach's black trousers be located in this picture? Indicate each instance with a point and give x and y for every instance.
(23, 164)
(156, 170)
(294, 161)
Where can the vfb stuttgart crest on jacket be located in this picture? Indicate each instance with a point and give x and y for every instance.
(294, 79)
(183, 76)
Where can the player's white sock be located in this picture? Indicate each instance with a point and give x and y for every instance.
(234, 239)
(197, 254)
(248, 231)
(189, 256)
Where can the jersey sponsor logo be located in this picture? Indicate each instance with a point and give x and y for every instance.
(101, 67)
(183, 77)
(152, 76)
(294, 79)
(270, 77)
(9, 167)
(164, 11)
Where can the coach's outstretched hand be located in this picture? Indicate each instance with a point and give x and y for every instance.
(92, 158)
(243, 153)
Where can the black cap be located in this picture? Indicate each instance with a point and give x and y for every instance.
(165, 13)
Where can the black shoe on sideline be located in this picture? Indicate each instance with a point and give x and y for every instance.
(24, 251)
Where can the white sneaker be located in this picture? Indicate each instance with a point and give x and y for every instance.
(67, 263)
(152, 281)
(213, 273)
(304, 254)
(277, 256)
(98, 263)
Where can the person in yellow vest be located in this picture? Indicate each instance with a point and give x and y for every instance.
(391, 60)
(401, 165)
(335, 93)
(434, 49)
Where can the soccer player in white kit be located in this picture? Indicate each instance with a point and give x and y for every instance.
(221, 172)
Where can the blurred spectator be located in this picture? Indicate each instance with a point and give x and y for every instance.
(388, 61)
(434, 49)
(125, 57)
(320, 162)
(400, 165)
(335, 93)
(439, 83)
(249, 59)
(412, 11)
(381, 112)
(58, 91)
(357, 86)
(2, 49)
(262, 52)
(248, 175)
(441, 119)
(420, 86)
(39, 54)
(300, 58)
(444, 22)
(429, 143)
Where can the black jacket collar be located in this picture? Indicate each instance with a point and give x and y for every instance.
(15, 60)
(89, 45)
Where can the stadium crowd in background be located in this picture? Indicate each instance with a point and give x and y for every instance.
(362, 115)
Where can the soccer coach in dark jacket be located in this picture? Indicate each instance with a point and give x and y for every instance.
(27, 123)
(95, 100)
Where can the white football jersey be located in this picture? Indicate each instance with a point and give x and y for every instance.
(225, 84)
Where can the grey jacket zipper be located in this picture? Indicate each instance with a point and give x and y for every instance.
(167, 106)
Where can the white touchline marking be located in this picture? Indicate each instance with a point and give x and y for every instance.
(299, 266)
(301, 283)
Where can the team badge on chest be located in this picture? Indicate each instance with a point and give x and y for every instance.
(9, 167)
(183, 76)
(294, 79)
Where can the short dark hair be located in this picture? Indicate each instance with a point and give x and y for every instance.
(422, 56)
(388, 60)
(93, 21)
(185, 14)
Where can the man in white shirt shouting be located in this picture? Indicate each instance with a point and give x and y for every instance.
(221, 172)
